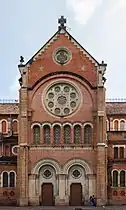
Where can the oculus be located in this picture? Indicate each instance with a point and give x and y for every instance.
(47, 174)
(76, 173)
(62, 56)
(62, 99)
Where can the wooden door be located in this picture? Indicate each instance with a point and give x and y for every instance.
(76, 194)
(47, 194)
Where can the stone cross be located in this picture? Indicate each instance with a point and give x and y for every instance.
(62, 22)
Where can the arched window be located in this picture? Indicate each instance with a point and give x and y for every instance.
(67, 134)
(5, 179)
(122, 179)
(116, 125)
(12, 179)
(15, 126)
(77, 134)
(36, 134)
(115, 179)
(122, 125)
(87, 134)
(46, 130)
(57, 134)
(4, 126)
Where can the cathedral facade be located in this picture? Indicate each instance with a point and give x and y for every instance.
(62, 142)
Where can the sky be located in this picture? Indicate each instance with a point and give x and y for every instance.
(98, 25)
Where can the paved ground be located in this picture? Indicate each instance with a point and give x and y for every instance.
(63, 208)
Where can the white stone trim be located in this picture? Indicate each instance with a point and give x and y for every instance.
(113, 124)
(57, 123)
(119, 146)
(78, 162)
(39, 124)
(39, 164)
(46, 123)
(88, 123)
(2, 178)
(13, 149)
(124, 125)
(15, 120)
(8, 172)
(14, 177)
(101, 144)
(77, 123)
(68, 123)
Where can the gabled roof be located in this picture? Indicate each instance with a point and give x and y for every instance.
(53, 38)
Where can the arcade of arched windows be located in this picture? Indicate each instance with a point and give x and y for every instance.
(9, 125)
(8, 179)
(118, 178)
(62, 134)
(116, 125)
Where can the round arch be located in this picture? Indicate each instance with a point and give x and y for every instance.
(79, 162)
(44, 162)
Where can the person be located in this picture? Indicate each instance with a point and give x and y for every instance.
(93, 201)
(91, 204)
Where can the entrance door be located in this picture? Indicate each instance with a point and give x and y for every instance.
(47, 194)
(76, 194)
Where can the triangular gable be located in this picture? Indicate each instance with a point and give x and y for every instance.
(55, 37)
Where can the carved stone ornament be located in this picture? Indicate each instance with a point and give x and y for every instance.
(62, 56)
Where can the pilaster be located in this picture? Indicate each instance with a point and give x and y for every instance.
(62, 198)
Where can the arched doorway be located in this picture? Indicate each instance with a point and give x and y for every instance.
(47, 195)
(75, 194)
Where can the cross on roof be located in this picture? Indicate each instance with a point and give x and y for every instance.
(62, 22)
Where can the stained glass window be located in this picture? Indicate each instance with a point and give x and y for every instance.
(5, 179)
(87, 134)
(67, 134)
(122, 179)
(46, 134)
(57, 134)
(115, 178)
(77, 134)
(36, 134)
(12, 179)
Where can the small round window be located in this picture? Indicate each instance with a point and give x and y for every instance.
(47, 174)
(76, 173)
(62, 56)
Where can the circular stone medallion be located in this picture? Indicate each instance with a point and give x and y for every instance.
(62, 56)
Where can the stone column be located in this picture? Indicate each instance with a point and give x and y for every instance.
(101, 175)
(92, 184)
(22, 160)
(33, 190)
(62, 198)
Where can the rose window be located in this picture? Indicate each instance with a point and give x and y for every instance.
(62, 56)
(62, 99)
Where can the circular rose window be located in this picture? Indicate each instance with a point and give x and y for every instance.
(62, 56)
(62, 99)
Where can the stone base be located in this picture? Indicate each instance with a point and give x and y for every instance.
(62, 201)
(23, 202)
(101, 202)
(34, 201)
